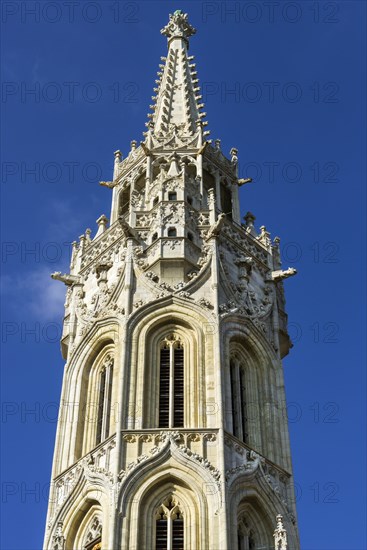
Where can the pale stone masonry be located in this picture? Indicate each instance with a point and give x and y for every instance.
(173, 430)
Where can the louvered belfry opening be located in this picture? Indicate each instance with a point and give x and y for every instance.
(243, 405)
(234, 400)
(178, 533)
(164, 387)
(239, 400)
(171, 384)
(102, 393)
(178, 385)
(104, 401)
(161, 536)
(169, 528)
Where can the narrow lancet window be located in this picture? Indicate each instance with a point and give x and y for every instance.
(238, 400)
(243, 404)
(178, 387)
(245, 536)
(104, 400)
(178, 532)
(234, 399)
(161, 536)
(171, 385)
(164, 386)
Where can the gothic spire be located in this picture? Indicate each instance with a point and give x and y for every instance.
(177, 104)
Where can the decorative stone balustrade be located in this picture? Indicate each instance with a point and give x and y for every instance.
(104, 248)
(243, 240)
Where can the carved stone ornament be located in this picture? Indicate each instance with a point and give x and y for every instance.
(245, 297)
(58, 540)
(94, 533)
(280, 535)
(280, 274)
(175, 438)
(251, 463)
(178, 25)
(65, 278)
(105, 249)
(203, 302)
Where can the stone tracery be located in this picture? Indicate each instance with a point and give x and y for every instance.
(175, 268)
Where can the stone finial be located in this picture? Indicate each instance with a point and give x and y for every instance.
(178, 26)
(280, 535)
(116, 169)
(102, 221)
(133, 144)
(74, 253)
(249, 219)
(217, 144)
(234, 155)
(102, 225)
(276, 253)
(82, 240)
(264, 236)
(118, 156)
(249, 224)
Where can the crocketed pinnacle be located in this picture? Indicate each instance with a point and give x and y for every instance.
(177, 101)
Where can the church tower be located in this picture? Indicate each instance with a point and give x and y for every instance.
(172, 432)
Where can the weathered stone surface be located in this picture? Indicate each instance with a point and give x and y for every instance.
(175, 275)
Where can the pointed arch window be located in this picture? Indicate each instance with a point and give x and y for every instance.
(245, 536)
(104, 400)
(124, 201)
(239, 399)
(172, 232)
(171, 384)
(169, 527)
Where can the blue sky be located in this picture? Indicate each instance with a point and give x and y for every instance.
(284, 82)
